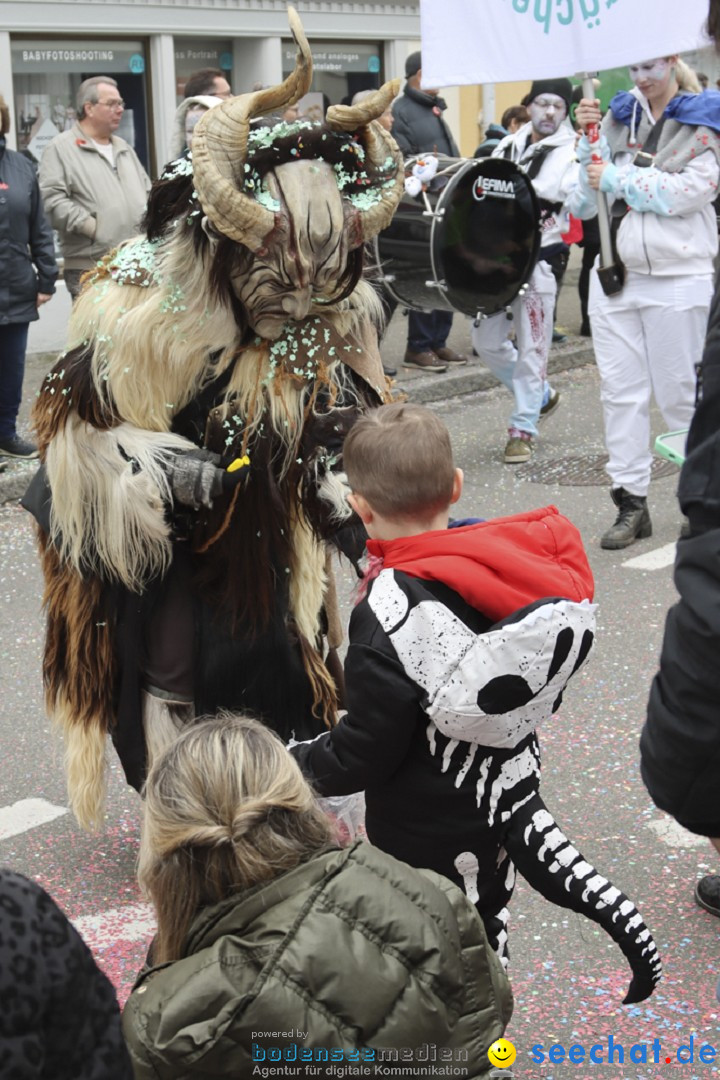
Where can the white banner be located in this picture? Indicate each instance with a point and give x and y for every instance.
(484, 41)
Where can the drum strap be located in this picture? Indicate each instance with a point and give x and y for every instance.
(535, 164)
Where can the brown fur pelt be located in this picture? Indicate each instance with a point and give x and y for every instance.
(68, 387)
(79, 673)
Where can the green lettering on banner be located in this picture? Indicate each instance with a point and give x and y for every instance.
(565, 11)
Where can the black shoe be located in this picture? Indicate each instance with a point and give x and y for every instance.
(558, 337)
(18, 448)
(389, 371)
(632, 523)
(707, 893)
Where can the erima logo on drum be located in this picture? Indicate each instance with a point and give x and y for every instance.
(490, 185)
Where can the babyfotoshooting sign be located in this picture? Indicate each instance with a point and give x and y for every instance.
(479, 41)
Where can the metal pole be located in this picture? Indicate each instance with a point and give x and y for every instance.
(611, 275)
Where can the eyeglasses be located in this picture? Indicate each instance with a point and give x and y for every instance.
(116, 103)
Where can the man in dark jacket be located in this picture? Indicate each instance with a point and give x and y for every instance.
(27, 280)
(680, 742)
(418, 127)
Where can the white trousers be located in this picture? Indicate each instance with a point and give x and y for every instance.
(647, 341)
(523, 369)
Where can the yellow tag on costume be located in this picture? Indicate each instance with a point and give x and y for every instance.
(238, 463)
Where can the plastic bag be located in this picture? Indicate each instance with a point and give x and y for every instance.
(348, 813)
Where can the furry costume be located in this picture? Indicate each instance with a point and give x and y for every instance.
(237, 328)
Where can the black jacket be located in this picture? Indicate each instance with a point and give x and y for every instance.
(418, 126)
(412, 739)
(680, 742)
(25, 239)
(59, 1017)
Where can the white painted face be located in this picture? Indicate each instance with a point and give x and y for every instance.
(191, 118)
(547, 113)
(651, 75)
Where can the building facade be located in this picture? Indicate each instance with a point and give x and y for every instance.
(47, 47)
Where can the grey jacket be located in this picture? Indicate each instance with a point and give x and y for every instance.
(418, 126)
(27, 253)
(92, 205)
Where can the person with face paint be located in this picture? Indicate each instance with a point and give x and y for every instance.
(545, 148)
(660, 166)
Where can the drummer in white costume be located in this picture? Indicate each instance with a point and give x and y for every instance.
(660, 150)
(545, 148)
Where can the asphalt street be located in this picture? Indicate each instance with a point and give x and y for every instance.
(568, 977)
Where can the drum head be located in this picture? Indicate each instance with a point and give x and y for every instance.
(487, 244)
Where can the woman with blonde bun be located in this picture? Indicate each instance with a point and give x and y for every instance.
(660, 167)
(276, 945)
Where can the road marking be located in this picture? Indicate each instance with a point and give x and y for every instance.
(653, 560)
(27, 814)
(134, 922)
(675, 836)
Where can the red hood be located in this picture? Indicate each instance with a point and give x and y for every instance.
(498, 566)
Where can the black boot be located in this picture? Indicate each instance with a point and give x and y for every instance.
(632, 523)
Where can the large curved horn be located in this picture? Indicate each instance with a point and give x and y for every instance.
(220, 150)
(352, 117)
(379, 146)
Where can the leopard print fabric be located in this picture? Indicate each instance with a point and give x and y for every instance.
(59, 1017)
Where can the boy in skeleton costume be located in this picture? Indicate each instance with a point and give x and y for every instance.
(190, 431)
(464, 642)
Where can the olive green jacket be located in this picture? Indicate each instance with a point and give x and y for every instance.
(352, 952)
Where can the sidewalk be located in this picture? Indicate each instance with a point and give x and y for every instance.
(48, 335)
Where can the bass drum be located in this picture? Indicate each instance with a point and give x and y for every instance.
(468, 243)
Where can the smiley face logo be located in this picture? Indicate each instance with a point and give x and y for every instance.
(502, 1054)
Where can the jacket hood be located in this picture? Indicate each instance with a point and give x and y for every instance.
(177, 140)
(522, 146)
(501, 565)
(698, 110)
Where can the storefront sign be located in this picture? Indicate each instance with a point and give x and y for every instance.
(190, 57)
(336, 57)
(96, 57)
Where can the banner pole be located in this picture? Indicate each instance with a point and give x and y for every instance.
(611, 275)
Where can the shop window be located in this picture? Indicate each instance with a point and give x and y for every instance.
(340, 70)
(193, 54)
(46, 77)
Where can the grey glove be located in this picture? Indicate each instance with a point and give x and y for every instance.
(196, 478)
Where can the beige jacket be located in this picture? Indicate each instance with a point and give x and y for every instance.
(93, 206)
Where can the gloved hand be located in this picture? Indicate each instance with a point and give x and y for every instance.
(196, 477)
